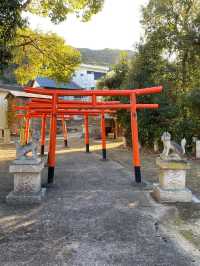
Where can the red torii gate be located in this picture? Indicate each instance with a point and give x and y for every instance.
(35, 114)
(34, 111)
(55, 106)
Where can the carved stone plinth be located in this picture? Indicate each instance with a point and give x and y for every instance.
(172, 177)
(27, 182)
(197, 149)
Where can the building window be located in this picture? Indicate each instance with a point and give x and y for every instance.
(90, 72)
(98, 75)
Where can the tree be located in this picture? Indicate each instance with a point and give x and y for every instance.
(37, 53)
(116, 77)
(10, 20)
(56, 10)
(174, 26)
(148, 68)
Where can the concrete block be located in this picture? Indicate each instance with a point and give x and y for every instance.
(198, 149)
(27, 182)
(172, 164)
(169, 195)
(172, 181)
(15, 198)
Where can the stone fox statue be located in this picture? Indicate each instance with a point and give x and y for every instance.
(169, 145)
(23, 150)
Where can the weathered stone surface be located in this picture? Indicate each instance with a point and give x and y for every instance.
(172, 179)
(198, 149)
(27, 183)
(155, 146)
(26, 167)
(167, 164)
(15, 198)
(169, 195)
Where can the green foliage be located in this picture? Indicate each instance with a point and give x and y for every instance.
(174, 26)
(42, 54)
(116, 77)
(10, 20)
(193, 100)
(168, 55)
(58, 11)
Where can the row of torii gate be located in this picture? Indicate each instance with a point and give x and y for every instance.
(57, 106)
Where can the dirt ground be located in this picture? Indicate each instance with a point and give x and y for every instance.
(187, 222)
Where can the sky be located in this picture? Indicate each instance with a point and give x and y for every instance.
(117, 26)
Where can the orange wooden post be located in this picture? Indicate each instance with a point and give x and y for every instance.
(43, 134)
(87, 143)
(64, 127)
(27, 127)
(52, 142)
(135, 142)
(103, 136)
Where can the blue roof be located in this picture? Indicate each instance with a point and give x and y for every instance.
(49, 83)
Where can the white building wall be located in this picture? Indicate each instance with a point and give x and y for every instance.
(87, 80)
(83, 79)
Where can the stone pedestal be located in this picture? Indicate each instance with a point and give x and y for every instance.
(172, 177)
(197, 149)
(27, 182)
(6, 138)
(155, 146)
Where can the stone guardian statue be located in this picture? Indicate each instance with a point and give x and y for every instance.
(172, 150)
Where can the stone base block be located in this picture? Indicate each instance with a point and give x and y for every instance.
(15, 198)
(169, 195)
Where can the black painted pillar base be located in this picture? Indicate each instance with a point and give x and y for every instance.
(42, 150)
(50, 174)
(87, 147)
(65, 142)
(104, 154)
(138, 178)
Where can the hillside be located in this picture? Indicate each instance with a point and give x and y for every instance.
(106, 57)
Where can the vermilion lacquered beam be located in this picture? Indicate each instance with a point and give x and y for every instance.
(48, 101)
(45, 110)
(39, 115)
(79, 106)
(144, 91)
